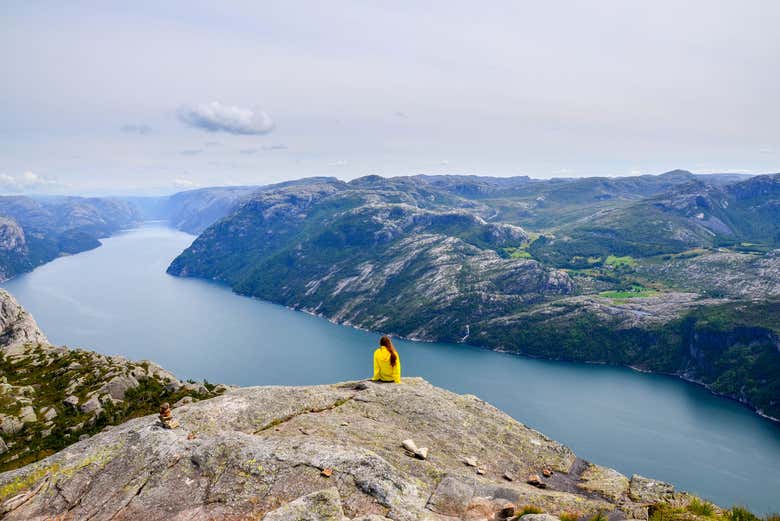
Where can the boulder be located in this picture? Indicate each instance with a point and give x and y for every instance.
(118, 386)
(324, 505)
(173, 386)
(71, 401)
(91, 405)
(48, 413)
(604, 481)
(648, 490)
(451, 497)
(183, 401)
(3, 446)
(27, 414)
(10, 425)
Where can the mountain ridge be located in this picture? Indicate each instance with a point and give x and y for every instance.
(368, 253)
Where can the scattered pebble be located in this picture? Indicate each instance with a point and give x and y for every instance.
(471, 462)
(411, 447)
(509, 477)
(547, 472)
(344, 424)
(327, 472)
(191, 436)
(480, 471)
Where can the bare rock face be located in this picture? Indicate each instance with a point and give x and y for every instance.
(17, 327)
(324, 505)
(648, 490)
(303, 453)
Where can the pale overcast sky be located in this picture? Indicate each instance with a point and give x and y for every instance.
(100, 97)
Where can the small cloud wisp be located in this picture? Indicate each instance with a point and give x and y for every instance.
(216, 117)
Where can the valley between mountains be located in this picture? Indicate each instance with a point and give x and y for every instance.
(674, 273)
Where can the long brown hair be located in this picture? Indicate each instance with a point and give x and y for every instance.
(388, 344)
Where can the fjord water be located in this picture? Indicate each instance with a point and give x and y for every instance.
(117, 299)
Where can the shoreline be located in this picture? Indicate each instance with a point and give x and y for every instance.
(678, 376)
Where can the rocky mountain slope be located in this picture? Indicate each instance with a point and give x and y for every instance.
(35, 231)
(445, 258)
(331, 452)
(373, 256)
(51, 397)
(695, 215)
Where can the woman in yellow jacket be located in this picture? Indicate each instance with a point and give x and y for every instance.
(387, 363)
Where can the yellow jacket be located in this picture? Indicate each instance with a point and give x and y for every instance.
(382, 368)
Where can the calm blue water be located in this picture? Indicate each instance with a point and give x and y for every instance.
(117, 299)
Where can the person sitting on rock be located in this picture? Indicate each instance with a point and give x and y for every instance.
(387, 363)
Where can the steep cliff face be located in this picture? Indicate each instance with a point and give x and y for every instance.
(327, 452)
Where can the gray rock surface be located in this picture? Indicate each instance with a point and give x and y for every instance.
(17, 327)
(539, 517)
(27, 414)
(246, 454)
(324, 505)
(648, 490)
(119, 385)
(10, 425)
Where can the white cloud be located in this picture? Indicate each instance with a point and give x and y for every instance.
(184, 183)
(27, 182)
(216, 117)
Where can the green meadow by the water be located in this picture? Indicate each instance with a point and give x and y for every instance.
(117, 299)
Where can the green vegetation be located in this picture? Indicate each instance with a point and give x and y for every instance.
(569, 516)
(619, 262)
(528, 509)
(516, 253)
(701, 507)
(633, 292)
(50, 374)
(598, 516)
(700, 510)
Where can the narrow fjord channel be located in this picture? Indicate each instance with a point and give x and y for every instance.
(117, 299)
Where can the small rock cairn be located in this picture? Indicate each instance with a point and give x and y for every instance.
(166, 418)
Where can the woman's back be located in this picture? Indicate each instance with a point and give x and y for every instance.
(387, 363)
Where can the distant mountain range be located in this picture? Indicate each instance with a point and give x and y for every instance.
(673, 273)
(36, 230)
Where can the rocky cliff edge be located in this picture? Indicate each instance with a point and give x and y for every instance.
(331, 452)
